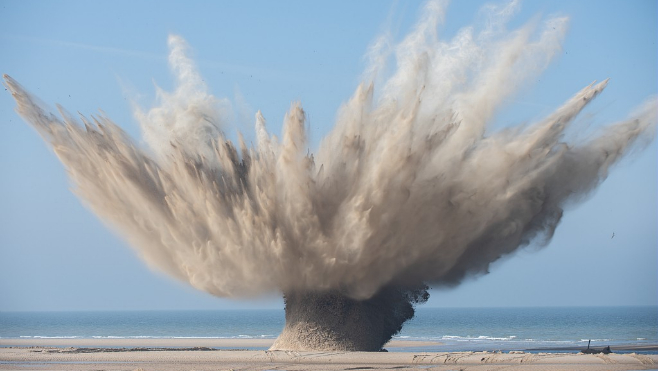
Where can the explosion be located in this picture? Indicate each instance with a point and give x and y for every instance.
(408, 189)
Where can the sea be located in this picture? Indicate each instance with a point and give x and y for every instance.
(452, 329)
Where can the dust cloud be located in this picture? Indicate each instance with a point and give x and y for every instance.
(409, 187)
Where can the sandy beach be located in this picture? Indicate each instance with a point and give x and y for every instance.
(199, 354)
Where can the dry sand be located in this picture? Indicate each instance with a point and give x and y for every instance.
(127, 354)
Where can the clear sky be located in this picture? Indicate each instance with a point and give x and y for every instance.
(55, 254)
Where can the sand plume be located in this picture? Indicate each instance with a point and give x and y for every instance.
(408, 188)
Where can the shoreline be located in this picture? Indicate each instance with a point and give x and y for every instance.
(264, 344)
(244, 344)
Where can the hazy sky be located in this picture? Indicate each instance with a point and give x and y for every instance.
(55, 254)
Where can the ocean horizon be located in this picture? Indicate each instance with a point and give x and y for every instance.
(452, 329)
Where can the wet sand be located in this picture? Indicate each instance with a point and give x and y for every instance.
(243, 344)
(165, 354)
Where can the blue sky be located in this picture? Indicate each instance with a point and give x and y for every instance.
(55, 255)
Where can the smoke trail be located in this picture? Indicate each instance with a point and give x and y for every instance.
(408, 188)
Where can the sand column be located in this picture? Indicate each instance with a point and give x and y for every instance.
(333, 321)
